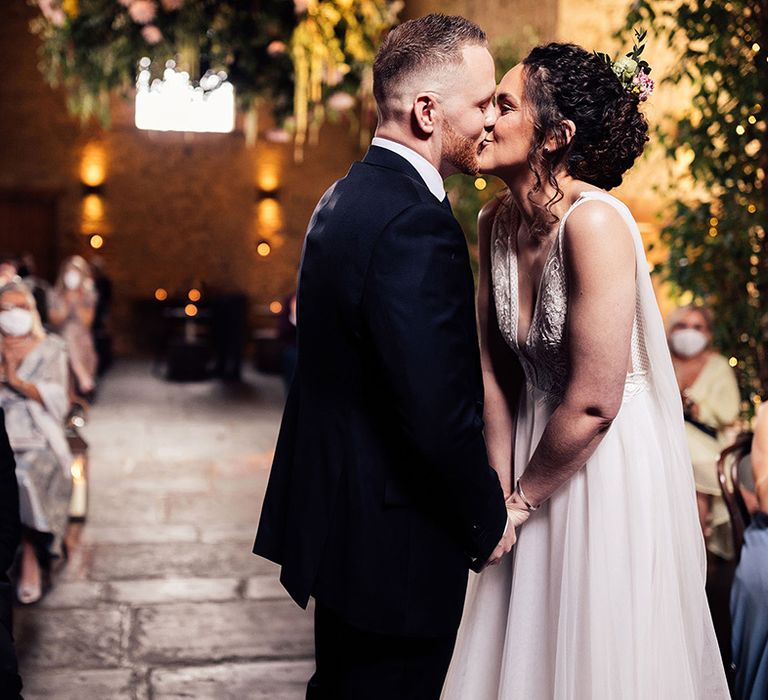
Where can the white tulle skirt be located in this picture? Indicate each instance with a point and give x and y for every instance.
(603, 598)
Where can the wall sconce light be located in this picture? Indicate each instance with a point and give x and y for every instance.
(273, 193)
(92, 189)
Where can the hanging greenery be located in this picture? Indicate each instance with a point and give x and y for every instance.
(292, 55)
(716, 232)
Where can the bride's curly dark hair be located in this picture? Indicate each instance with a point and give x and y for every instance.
(564, 81)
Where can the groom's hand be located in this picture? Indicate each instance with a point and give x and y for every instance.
(508, 540)
(517, 514)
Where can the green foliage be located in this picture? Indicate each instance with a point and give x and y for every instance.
(716, 231)
(95, 51)
(92, 47)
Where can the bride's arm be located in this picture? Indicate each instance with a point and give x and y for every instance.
(502, 375)
(600, 261)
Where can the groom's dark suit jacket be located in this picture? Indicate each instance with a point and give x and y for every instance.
(381, 496)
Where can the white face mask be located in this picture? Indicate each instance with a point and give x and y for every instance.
(688, 342)
(15, 322)
(72, 279)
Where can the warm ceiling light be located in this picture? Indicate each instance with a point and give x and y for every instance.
(264, 249)
(161, 294)
(96, 241)
(190, 310)
(194, 295)
(275, 307)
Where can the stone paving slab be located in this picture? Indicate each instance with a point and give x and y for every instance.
(152, 469)
(74, 638)
(113, 507)
(171, 483)
(239, 506)
(142, 561)
(254, 681)
(173, 590)
(265, 588)
(205, 632)
(111, 684)
(216, 533)
(140, 534)
(73, 594)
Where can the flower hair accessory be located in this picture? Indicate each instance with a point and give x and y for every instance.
(633, 72)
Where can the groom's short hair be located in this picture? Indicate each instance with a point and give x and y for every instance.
(431, 43)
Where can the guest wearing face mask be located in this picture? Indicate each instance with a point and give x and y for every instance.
(34, 396)
(711, 402)
(71, 312)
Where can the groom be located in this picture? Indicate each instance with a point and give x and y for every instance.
(381, 496)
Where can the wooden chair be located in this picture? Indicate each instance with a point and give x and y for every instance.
(728, 465)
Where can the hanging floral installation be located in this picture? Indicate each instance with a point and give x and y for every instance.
(298, 57)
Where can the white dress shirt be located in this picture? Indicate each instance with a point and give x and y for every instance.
(432, 178)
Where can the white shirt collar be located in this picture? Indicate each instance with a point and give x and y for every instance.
(430, 175)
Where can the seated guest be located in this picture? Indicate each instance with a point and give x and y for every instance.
(10, 531)
(71, 311)
(711, 402)
(8, 270)
(37, 285)
(749, 594)
(102, 340)
(33, 394)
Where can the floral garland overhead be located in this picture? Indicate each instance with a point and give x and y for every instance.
(292, 55)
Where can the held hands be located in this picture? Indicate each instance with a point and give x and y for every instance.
(517, 514)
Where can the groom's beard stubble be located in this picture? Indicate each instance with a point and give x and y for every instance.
(461, 152)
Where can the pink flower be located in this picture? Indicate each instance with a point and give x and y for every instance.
(142, 11)
(646, 86)
(275, 48)
(152, 35)
(171, 5)
(277, 136)
(55, 15)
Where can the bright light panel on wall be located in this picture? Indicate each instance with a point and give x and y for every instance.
(175, 104)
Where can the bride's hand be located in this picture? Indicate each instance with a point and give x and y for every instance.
(517, 510)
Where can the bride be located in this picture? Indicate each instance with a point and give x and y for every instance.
(603, 598)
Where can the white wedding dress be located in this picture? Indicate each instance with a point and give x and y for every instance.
(603, 597)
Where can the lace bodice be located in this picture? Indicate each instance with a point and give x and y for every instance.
(544, 354)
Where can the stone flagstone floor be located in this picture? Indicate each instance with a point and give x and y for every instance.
(162, 599)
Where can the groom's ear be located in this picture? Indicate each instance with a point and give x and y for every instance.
(424, 113)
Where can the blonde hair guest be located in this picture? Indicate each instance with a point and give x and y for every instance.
(34, 396)
(711, 403)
